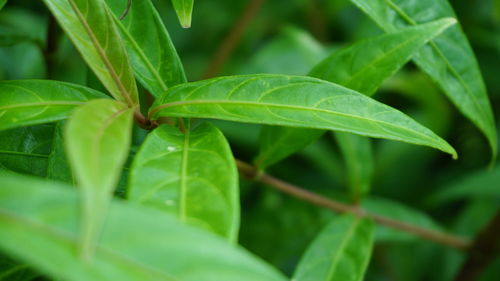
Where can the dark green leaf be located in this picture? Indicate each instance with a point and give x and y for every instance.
(2, 3)
(13, 271)
(90, 26)
(38, 224)
(152, 53)
(98, 136)
(460, 78)
(293, 101)
(184, 10)
(192, 175)
(341, 252)
(57, 166)
(29, 102)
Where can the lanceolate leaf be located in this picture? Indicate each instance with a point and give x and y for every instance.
(192, 175)
(341, 252)
(293, 101)
(152, 54)
(361, 67)
(460, 79)
(91, 28)
(97, 143)
(29, 102)
(37, 225)
(184, 10)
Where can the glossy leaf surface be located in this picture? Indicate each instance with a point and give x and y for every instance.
(448, 59)
(152, 54)
(90, 26)
(293, 101)
(184, 10)
(97, 142)
(192, 175)
(30, 102)
(38, 224)
(340, 252)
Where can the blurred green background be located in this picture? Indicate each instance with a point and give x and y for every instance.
(418, 184)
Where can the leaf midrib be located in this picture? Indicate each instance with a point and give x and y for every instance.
(55, 103)
(347, 238)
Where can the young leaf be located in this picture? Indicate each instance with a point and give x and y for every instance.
(38, 226)
(361, 67)
(460, 78)
(29, 102)
(192, 175)
(97, 143)
(90, 26)
(341, 252)
(293, 101)
(184, 10)
(57, 165)
(152, 53)
(358, 157)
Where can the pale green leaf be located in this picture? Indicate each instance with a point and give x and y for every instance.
(98, 138)
(38, 225)
(358, 157)
(184, 10)
(192, 175)
(90, 26)
(294, 101)
(448, 59)
(361, 67)
(341, 252)
(152, 53)
(30, 102)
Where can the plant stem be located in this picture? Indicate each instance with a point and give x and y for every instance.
(232, 38)
(51, 46)
(251, 172)
(484, 249)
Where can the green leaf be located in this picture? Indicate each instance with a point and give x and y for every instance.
(483, 184)
(152, 53)
(98, 136)
(192, 175)
(2, 3)
(448, 59)
(57, 166)
(13, 271)
(30, 102)
(184, 10)
(361, 67)
(366, 64)
(358, 157)
(276, 143)
(293, 101)
(90, 26)
(38, 225)
(340, 252)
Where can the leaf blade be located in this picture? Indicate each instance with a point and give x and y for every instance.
(184, 10)
(97, 144)
(201, 194)
(279, 100)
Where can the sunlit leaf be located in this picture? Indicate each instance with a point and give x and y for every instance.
(97, 142)
(192, 175)
(184, 10)
(341, 252)
(38, 224)
(293, 101)
(30, 102)
(460, 78)
(91, 27)
(152, 54)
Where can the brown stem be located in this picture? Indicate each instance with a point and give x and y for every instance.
(51, 46)
(232, 38)
(484, 249)
(251, 172)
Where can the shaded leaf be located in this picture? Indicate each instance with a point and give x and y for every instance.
(13, 271)
(38, 225)
(90, 26)
(98, 136)
(30, 102)
(340, 252)
(460, 78)
(292, 101)
(57, 164)
(2, 3)
(192, 175)
(184, 10)
(152, 53)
